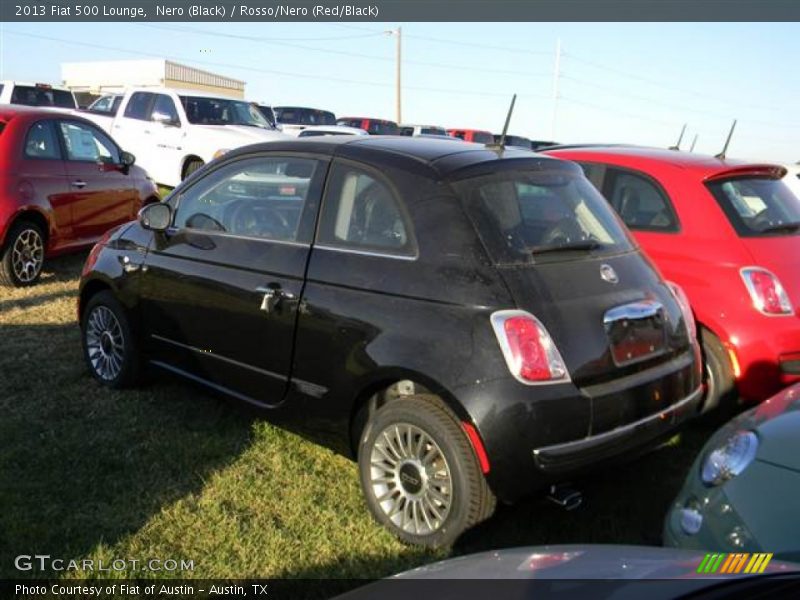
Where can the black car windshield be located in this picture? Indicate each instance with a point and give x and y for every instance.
(222, 111)
(293, 115)
(758, 206)
(30, 95)
(529, 216)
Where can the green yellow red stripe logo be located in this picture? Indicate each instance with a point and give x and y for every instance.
(734, 563)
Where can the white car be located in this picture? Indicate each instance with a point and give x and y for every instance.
(174, 132)
(36, 94)
(427, 130)
(319, 130)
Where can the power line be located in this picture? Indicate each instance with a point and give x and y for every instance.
(458, 42)
(265, 71)
(271, 41)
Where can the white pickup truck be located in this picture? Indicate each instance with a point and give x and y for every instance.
(173, 132)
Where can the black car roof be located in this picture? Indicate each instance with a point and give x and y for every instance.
(444, 156)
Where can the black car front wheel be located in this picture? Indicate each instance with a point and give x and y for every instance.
(420, 476)
(109, 346)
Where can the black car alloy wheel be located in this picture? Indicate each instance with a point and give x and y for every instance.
(419, 474)
(108, 343)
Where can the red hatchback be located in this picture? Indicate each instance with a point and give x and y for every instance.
(728, 232)
(63, 184)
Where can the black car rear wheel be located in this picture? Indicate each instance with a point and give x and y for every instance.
(109, 346)
(23, 255)
(419, 474)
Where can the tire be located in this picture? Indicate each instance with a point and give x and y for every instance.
(109, 346)
(23, 255)
(191, 167)
(720, 386)
(402, 445)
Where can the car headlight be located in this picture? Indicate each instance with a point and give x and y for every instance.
(730, 458)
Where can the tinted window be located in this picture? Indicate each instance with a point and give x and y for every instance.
(407, 131)
(433, 131)
(482, 137)
(758, 206)
(41, 141)
(166, 107)
(458, 134)
(42, 96)
(530, 216)
(640, 202)
(293, 115)
(360, 211)
(383, 128)
(85, 143)
(595, 173)
(222, 111)
(139, 106)
(255, 197)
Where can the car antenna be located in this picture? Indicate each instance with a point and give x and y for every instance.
(694, 141)
(680, 139)
(721, 155)
(502, 143)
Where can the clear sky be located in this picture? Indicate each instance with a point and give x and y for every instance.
(631, 82)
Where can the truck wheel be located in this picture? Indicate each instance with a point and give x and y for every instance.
(191, 167)
(720, 387)
(23, 256)
(419, 473)
(109, 346)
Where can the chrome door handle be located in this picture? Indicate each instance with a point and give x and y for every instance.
(272, 297)
(78, 184)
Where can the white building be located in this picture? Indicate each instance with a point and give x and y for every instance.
(112, 76)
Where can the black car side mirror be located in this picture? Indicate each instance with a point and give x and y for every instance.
(156, 216)
(126, 159)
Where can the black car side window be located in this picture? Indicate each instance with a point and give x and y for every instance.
(41, 141)
(360, 211)
(260, 197)
(640, 202)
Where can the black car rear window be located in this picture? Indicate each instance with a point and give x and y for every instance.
(30, 95)
(758, 206)
(528, 216)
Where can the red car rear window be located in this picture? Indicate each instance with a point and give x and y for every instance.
(758, 206)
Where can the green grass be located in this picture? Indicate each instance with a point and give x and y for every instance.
(169, 471)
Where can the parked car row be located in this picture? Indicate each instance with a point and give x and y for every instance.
(573, 315)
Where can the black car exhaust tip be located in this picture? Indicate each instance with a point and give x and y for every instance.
(565, 496)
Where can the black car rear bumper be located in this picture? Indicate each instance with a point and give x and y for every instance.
(571, 456)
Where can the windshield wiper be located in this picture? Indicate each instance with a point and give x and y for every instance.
(788, 227)
(583, 245)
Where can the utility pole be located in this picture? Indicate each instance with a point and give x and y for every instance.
(398, 97)
(556, 77)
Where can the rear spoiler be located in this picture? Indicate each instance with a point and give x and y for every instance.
(766, 171)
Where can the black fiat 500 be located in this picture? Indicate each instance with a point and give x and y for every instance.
(471, 323)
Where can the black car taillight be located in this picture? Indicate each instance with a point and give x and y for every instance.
(530, 353)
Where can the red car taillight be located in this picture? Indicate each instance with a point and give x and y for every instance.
(530, 353)
(686, 308)
(766, 291)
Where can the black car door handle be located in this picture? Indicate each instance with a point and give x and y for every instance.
(78, 184)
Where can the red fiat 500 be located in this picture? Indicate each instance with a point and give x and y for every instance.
(63, 184)
(728, 232)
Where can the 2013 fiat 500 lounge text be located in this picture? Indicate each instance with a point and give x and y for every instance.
(471, 323)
